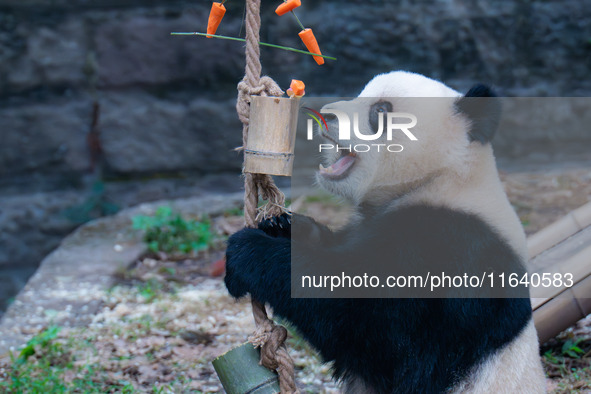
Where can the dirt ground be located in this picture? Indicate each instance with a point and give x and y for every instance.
(167, 318)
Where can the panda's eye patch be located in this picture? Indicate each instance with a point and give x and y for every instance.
(381, 107)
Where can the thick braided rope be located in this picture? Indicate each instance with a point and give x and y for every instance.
(268, 336)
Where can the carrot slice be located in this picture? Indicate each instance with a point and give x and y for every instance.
(286, 6)
(296, 89)
(310, 42)
(215, 17)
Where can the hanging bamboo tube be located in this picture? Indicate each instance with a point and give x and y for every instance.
(271, 135)
(240, 372)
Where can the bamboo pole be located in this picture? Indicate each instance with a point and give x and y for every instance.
(562, 248)
(558, 231)
(563, 310)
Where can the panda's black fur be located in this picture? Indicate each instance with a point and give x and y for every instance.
(392, 345)
(483, 114)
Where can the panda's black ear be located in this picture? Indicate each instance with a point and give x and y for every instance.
(483, 108)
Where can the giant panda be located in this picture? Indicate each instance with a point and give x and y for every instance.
(445, 184)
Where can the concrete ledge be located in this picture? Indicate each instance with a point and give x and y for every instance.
(66, 289)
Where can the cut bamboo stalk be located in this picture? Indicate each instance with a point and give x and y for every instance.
(578, 265)
(240, 372)
(271, 135)
(558, 231)
(562, 311)
(563, 247)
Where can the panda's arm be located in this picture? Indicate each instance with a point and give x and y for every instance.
(258, 261)
(306, 228)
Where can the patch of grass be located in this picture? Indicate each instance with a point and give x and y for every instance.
(571, 348)
(168, 232)
(170, 271)
(150, 289)
(578, 380)
(566, 361)
(41, 367)
(47, 365)
(43, 340)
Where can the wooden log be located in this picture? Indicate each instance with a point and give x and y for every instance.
(558, 231)
(563, 310)
(271, 135)
(572, 256)
(567, 251)
(240, 372)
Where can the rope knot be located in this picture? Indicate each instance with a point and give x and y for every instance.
(269, 338)
(266, 87)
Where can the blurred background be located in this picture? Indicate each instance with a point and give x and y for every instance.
(101, 109)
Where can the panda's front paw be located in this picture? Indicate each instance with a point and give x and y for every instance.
(243, 261)
(305, 229)
(277, 226)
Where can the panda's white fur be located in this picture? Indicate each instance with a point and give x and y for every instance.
(442, 168)
(515, 369)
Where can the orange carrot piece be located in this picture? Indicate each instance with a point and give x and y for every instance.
(297, 88)
(310, 42)
(215, 17)
(286, 6)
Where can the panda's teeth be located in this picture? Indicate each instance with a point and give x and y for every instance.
(325, 169)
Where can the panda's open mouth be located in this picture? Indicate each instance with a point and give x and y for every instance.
(340, 168)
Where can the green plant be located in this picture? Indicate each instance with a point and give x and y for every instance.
(42, 373)
(150, 289)
(551, 358)
(571, 348)
(53, 364)
(42, 340)
(168, 232)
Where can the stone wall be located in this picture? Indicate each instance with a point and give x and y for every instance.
(167, 103)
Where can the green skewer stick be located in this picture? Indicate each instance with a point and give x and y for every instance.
(298, 20)
(194, 33)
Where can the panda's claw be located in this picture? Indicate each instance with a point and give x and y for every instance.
(277, 226)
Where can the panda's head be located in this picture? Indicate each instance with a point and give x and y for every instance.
(452, 131)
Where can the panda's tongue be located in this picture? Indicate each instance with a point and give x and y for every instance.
(338, 168)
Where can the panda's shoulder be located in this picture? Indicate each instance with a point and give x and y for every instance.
(434, 225)
(435, 216)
